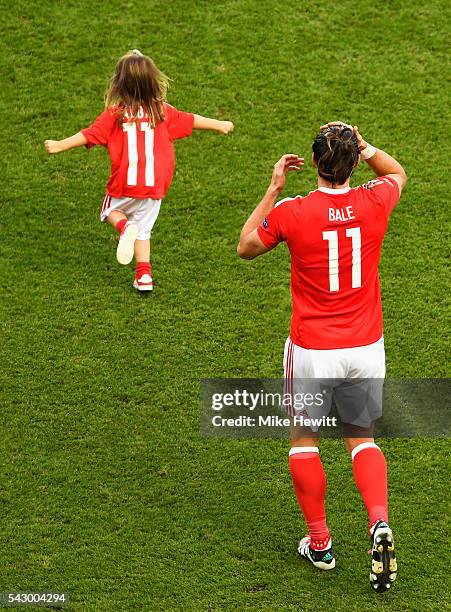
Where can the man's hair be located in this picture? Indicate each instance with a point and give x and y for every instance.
(137, 82)
(336, 153)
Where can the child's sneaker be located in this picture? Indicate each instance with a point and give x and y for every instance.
(126, 246)
(322, 559)
(144, 283)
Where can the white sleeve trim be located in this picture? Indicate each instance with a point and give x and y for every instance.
(389, 180)
(289, 199)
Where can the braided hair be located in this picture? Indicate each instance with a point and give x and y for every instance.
(336, 153)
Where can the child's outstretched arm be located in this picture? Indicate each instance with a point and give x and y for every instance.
(204, 123)
(58, 146)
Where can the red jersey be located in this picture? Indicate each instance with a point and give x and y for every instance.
(335, 238)
(142, 158)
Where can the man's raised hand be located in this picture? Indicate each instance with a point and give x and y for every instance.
(287, 163)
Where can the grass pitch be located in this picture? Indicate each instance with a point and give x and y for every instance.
(107, 490)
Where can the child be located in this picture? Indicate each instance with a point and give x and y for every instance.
(138, 128)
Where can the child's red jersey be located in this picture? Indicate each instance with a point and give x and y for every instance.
(335, 238)
(142, 158)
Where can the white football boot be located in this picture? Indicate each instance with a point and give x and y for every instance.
(322, 559)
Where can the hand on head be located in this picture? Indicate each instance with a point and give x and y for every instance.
(360, 142)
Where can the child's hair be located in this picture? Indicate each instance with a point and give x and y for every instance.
(336, 153)
(137, 82)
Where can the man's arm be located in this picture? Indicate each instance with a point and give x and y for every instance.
(204, 123)
(250, 244)
(58, 146)
(381, 163)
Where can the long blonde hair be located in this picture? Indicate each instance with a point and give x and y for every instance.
(137, 82)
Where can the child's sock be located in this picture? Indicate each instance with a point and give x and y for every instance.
(143, 267)
(120, 225)
(309, 481)
(370, 475)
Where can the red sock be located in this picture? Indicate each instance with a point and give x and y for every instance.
(143, 267)
(120, 225)
(370, 475)
(309, 481)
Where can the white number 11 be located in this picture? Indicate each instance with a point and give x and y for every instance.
(132, 173)
(332, 238)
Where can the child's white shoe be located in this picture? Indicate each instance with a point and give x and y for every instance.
(145, 283)
(126, 246)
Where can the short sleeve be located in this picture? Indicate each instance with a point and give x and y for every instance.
(99, 132)
(272, 229)
(179, 124)
(386, 190)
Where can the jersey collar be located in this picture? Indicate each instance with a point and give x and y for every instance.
(334, 191)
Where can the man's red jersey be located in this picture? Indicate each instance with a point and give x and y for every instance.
(142, 158)
(335, 238)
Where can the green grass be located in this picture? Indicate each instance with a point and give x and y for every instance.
(107, 489)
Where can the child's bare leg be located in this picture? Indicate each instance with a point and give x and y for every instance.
(142, 251)
(115, 217)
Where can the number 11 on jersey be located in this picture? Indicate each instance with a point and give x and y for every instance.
(332, 238)
(132, 141)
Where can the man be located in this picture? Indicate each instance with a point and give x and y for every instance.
(335, 235)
